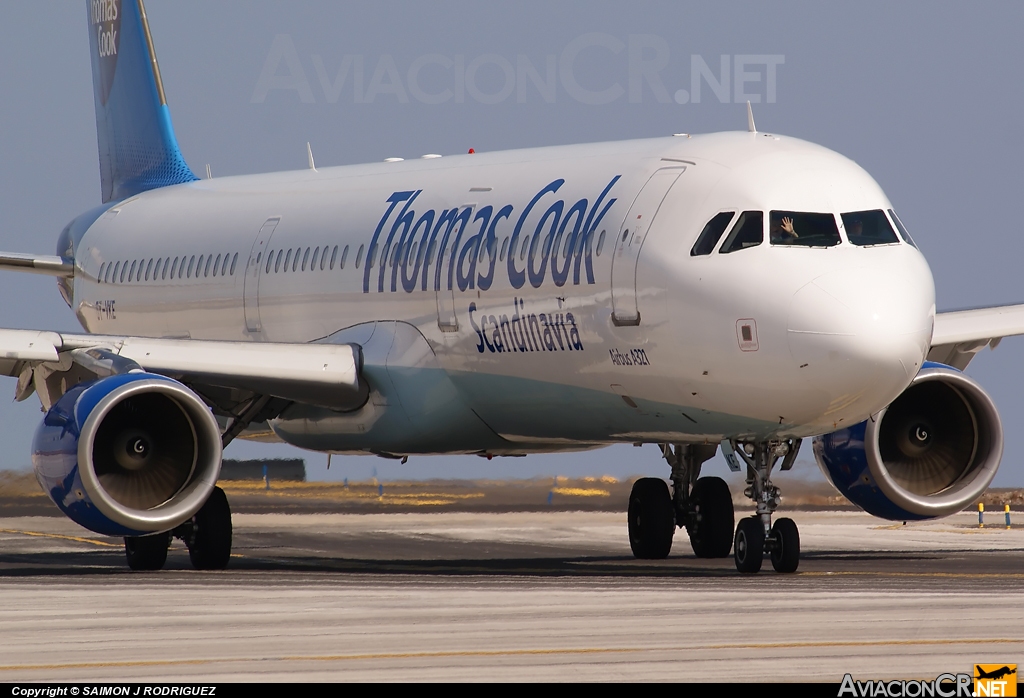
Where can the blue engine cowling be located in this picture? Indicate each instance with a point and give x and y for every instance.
(128, 455)
(930, 453)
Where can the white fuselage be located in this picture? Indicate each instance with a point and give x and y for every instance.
(628, 337)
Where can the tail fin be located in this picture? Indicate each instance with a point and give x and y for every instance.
(138, 150)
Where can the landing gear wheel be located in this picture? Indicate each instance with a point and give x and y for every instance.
(748, 548)
(651, 519)
(786, 546)
(147, 553)
(712, 519)
(210, 545)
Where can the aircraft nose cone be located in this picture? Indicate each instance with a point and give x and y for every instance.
(858, 336)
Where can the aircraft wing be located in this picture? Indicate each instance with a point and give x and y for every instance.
(227, 373)
(961, 334)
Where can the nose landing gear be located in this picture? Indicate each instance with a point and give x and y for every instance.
(756, 535)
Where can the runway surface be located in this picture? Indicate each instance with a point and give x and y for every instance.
(527, 596)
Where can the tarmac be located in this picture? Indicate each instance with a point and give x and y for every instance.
(509, 596)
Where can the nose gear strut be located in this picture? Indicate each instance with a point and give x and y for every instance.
(756, 535)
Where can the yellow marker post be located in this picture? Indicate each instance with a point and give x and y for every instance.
(1007, 510)
(981, 515)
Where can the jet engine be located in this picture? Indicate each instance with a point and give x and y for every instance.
(129, 454)
(930, 453)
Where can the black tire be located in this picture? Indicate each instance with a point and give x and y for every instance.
(147, 553)
(652, 520)
(786, 548)
(712, 518)
(748, 548)
(210, 548)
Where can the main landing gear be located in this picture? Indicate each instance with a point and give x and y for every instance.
(755, 535)
(702, 505)
(207, 535)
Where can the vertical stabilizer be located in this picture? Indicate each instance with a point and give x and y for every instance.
(137, 147)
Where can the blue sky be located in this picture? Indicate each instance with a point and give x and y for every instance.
(926, 96)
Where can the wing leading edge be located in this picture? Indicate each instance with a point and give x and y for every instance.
(326, 375)
(961, 334)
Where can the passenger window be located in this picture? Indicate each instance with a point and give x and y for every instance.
(412, 252)
(149, 268)
(868, 228)
(359, 256)
(199, 267)
(747, 232)
(902, 228)
(233, 260)
(305, 258)
(344, 256)
(224, 265)
(206, 269)
(270, 262)
(712, 233)
(430, 251)
(132, 272)
(156, 269)
(138, 273)
(794, 228)
(174, 268)
(216, 266)
(504, 246)
(191, 266)
(124, 269)
(287, 260)
(99, 276)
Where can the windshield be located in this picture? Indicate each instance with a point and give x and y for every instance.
(711, 234)
(795, 228)
(748, 232)
(868, 228)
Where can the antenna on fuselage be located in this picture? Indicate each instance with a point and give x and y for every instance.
(209, 174)
(309, 152)
(750, 121)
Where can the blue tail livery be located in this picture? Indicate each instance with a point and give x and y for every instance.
(137, 147)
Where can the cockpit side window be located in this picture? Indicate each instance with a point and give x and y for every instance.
(902, 228)
(795, 228)
(711, 234)
(869, 228)
(748, 232)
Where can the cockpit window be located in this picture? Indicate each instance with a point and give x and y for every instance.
(711, 234)
(804, 229)
(869, 228)
(902, 228)
(748, 232)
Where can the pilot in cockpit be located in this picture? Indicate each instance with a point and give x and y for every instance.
(782, 230)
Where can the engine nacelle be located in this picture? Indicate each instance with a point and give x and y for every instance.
(128, 455)
(930, 453)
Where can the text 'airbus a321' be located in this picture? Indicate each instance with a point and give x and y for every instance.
(742, 291)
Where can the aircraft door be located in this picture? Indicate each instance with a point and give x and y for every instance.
(447, 321)
(625, 311)
(251, 291)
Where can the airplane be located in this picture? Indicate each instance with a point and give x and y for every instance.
(742, 291)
